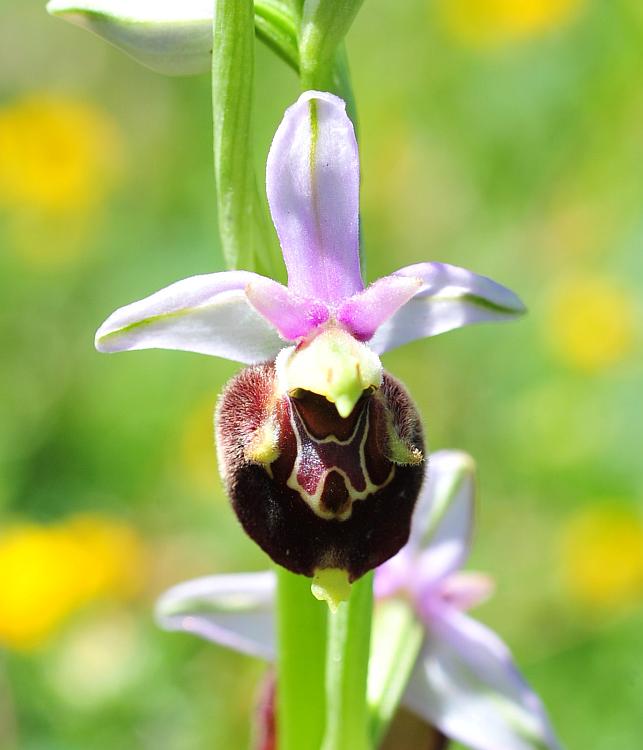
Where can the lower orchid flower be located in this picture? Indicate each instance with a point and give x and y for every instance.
(464, 681)
(320, 450)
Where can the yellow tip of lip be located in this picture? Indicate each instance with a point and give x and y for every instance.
(331, 585)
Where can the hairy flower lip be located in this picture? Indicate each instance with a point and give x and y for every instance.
(314, 489)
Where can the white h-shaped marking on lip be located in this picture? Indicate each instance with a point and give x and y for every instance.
(314, 500)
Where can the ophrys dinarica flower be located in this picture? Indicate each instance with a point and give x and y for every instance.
(321, 451)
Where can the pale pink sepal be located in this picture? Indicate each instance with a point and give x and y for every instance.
(467, 685)
(208, 314)
(234, 610)
(450, 297)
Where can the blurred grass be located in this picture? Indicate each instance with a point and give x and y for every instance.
(517, 156)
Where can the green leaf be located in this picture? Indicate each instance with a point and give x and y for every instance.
(276, 27)
(396, 642)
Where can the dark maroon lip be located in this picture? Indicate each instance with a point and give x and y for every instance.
(334, 495)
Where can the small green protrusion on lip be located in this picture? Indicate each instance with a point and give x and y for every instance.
(331, 585)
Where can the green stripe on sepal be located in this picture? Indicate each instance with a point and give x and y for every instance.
(174, 37)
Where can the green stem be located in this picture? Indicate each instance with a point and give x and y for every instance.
(301, 667)
(349, 630)
(324, 25)
(277, 27)
(232, 77)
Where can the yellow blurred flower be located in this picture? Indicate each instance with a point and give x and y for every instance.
(57, 154)
(59, 158)
(602, 554)
(48, 572)
(591, 323)
(486, 23)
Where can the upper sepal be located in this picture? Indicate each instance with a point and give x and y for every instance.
(312, 181)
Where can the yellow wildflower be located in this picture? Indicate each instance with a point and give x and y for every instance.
(602, 553)
(486, 23)
(591, 323)
(57, 155)
(48, 572)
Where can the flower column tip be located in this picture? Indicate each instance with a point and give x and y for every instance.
(334, 365)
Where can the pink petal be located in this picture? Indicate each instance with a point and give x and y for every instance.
(312, 180)
(291, 315)
(364, 313)
(465, 590)
(440, 531)
(443, 518)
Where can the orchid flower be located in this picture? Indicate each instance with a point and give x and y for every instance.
(464, 682)
(320, 450)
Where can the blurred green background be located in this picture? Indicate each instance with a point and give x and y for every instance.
(506, 137)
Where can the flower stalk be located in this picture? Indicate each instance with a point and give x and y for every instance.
(301, 666)
(324, 25)
(242, 219)
(349, 631)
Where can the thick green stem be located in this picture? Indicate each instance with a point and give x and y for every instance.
(301, 667)
(232, 76)
(349, 633)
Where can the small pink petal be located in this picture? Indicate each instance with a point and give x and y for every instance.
(291, 315)
(365, 312)
(464, 590)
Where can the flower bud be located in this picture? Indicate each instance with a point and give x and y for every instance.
(317, 489)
